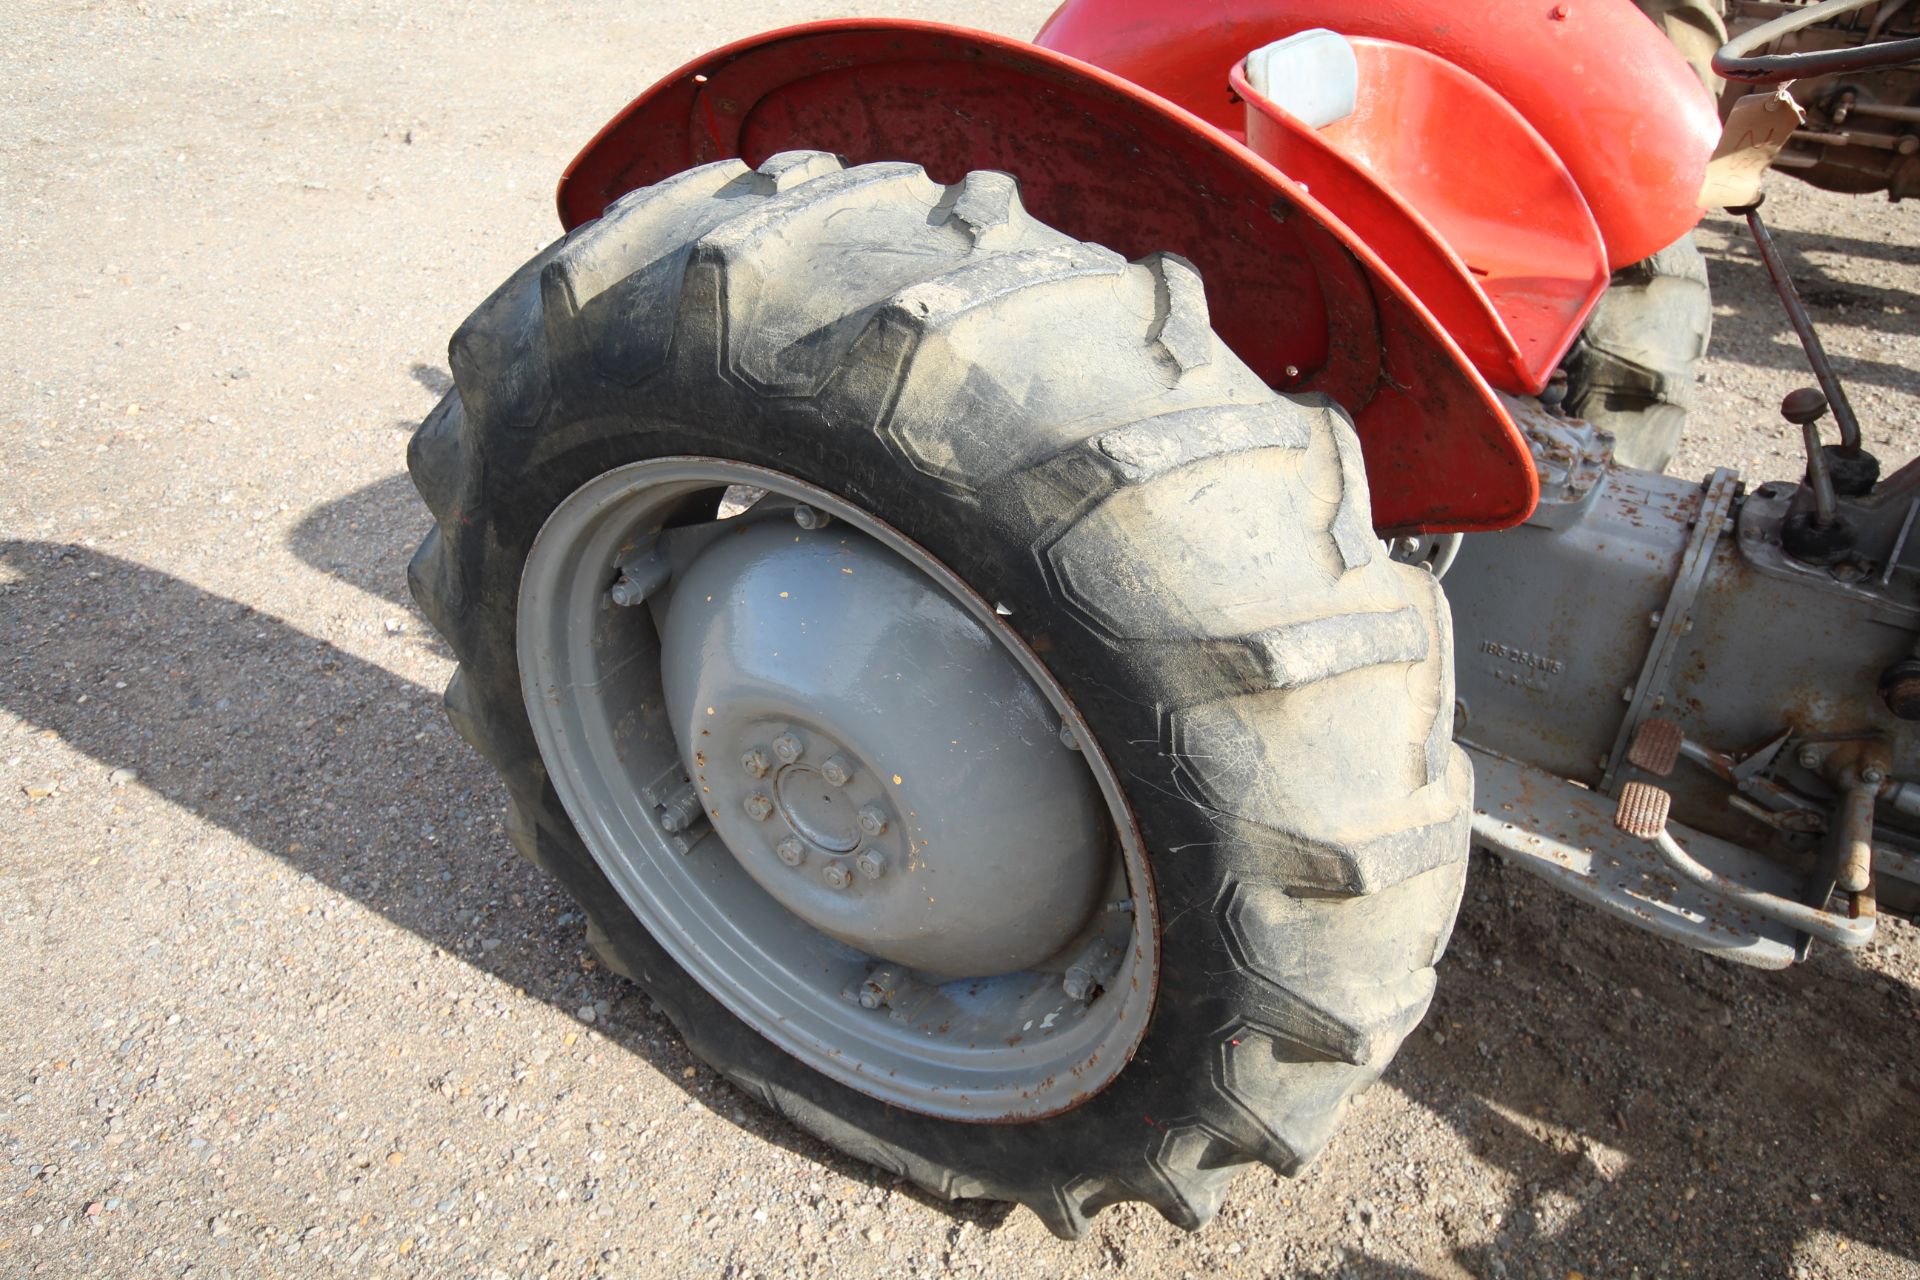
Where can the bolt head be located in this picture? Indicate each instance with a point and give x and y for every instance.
(758, 807)
(838, 770)
(869, 998)
(626, 593)
(837, 875)
(1809, 758)
(1872, 776)
(788, 747)
(873, 820)
(1068, 738)
(791, 851)
(809, 518)
(756, 762)
(873, 864)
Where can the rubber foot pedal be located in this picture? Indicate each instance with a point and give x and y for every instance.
(1643, 810)
(1656, 746)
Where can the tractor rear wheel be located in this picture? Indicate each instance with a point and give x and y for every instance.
(1696, 28)
(1632, 369)
(966, 700)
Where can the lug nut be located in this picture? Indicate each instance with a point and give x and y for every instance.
(680, 810)
(758, 807)
(791, 851)
(882, 987)
(640, 577)
(809, 518)
(873, 820)
(788, 747)
(836, 875)
(873, 864)
(837, 771)
(756, 762)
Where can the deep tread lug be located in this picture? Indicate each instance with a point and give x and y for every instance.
(1183, 330)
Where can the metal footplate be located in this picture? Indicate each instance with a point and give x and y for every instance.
(1575, 844)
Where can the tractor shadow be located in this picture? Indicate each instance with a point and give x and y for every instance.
(1608, 1074)
(364, 537)
(1840, 292)
(1629, 1087)
(319, 758)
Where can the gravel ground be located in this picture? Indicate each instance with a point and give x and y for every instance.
(281, 1001)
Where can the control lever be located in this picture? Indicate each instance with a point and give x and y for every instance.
(1823, 535)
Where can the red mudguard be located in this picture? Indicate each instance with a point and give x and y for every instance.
(1292, 290)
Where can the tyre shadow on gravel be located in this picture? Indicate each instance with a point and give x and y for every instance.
(340, 769)
(1636, 1091)
(1625, 1085)
(1750, 327)
(354, 538)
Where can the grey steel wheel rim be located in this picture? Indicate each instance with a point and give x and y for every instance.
(756, 818)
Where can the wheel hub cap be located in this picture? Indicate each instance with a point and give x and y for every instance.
(900, 816)
(875, 759)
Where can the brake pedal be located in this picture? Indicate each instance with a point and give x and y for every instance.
(1656, 746)
(1643, 810)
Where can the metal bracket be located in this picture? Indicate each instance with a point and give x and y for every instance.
(661, 794)
(1676, 619)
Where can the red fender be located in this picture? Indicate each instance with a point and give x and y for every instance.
(1617, 104)
(1291, 290)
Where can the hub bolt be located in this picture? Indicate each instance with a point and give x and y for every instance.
(791, 851)
(873, 864)
(873, 820)
(758, 807)
(836, 875)
(640, 576)
(837, 770)
(756, 762)
(882, 987)
(809, 518)
(679, 811)
(788, 747)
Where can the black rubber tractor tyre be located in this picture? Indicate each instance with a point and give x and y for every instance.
(1190, 551)
(1696, 28)
(1633, 369)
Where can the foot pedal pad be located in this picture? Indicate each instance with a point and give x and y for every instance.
(1656, 746)
(1643, 810)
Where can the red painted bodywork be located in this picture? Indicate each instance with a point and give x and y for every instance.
(1305, 301)
(1494, 237)
(1600, 84)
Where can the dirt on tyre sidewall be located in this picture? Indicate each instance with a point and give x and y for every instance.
(1191, 554)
